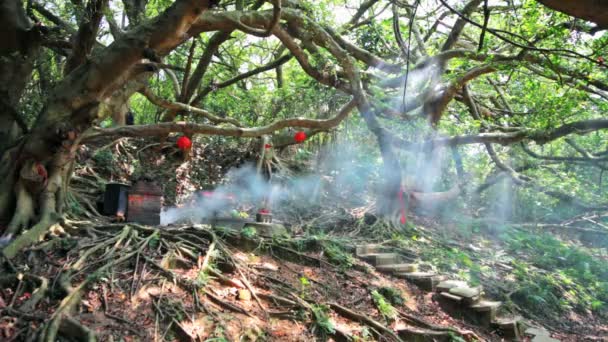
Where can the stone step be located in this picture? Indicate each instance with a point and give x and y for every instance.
(533, 331)
(485, 306)
(367, 249)
(425, 280)
(470, 295)
(422, 335)
(451, 297)
(446, 285)
(381, 259)
(543, 338)
(508, 326)
(399, 268)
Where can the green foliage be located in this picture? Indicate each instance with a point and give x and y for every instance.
(74, 205)
(456, 338)
(322, 325)
(104, 158)
(202, 278)
(337, 256)
(392, 294)
(154, 241)
(564, 277)
(384, 306)
(249, 232)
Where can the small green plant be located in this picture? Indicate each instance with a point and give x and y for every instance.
(392, 295)
(322, 325)
(383, 306)
(202, 278)
(249, 232)
(304, 285)
(219, 335)
(104, 158)
(337, 256)
(456, 338)
(153, 243)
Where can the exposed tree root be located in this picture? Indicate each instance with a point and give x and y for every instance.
(68, 304)
(24, 211)
(72, 329)
(192, 287)
(28, 238)
(419, 322)
(192, 246)
(363, 319)
(37, 295)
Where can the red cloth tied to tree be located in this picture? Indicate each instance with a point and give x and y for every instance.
(41, 170)
(184, 143)
(403, 219)
(267, 146)
(300, 136)
(42, 173)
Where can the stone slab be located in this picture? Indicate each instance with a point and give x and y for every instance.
(451, 297)
(508, 327)
(466, 292)
(380, 259)
(424, 280)
(383, 259)
(536, 332)
(486, 305)
(415, 275)
(470, 295)
(397, 268)
(543, 338)
(268, 229)
(449, 284)
(366, 249)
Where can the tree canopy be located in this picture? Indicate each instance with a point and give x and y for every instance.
(517, 74)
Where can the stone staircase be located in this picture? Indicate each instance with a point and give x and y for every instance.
(456, 297)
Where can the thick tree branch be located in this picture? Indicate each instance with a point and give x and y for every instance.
(459, 25)
(527, 46)
(53, 18)
(533, 154)
(361, 11)
(201, 68)
(272, 65)
(182, 107)
(184, 89)
(591, 10)
(192, 128)
(364, 55)
(86, 36)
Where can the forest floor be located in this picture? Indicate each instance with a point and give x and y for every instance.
(193, 282)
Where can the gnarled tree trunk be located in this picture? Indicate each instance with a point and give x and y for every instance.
(35, 171)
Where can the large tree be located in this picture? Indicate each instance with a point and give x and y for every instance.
(467, 68)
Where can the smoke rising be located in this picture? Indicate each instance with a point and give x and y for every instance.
(244, 189)
(346, 171)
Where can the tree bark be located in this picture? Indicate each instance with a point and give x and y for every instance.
(40, 164)
(19, 48)
(591, 10)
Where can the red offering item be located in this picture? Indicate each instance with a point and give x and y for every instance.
(184, 142)
(600, 60)
(267, 146)
(264, 211)
(41, 170)
(402, 203)
(299, 137)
